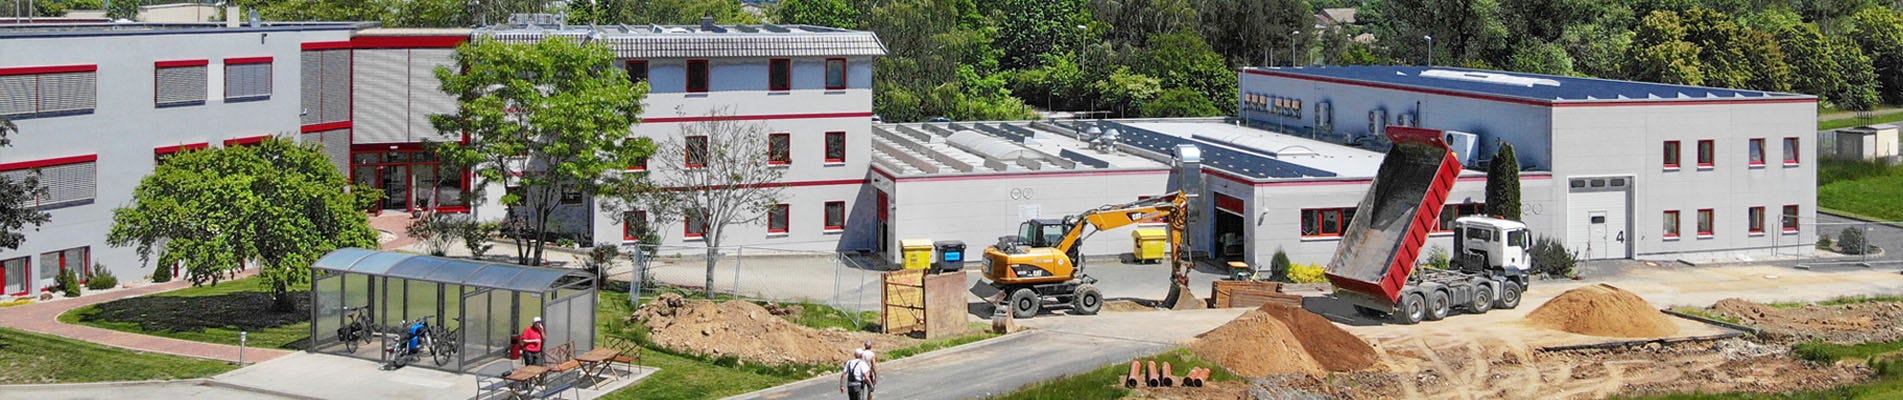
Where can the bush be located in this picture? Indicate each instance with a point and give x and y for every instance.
(435, 231)
(1823, 242)
(102, 279)
(1438, 258)
(476, 235)
(161, 274)
(1306, 273)
(1850, 241)
(68, 283)
(1279, 266)
(1551, 258)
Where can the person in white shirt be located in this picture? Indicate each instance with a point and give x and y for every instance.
(856, 379)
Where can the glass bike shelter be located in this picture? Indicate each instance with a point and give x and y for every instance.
(483, 303)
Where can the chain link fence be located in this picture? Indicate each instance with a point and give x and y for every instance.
(1846, 241)
(846, 281)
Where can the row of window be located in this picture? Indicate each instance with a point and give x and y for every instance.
(779, 74)
(1329, 222)
(1708, 153)
(1754, 221)
(15, 273)
(779, 150)
(54, 91)
(779, 221)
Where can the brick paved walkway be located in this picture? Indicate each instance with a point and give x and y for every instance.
(44, 318)
(396, 223)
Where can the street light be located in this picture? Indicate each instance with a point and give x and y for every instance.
(1430, 50)
(1292, 57)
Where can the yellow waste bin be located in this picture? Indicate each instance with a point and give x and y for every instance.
(917, 253)
(1151, 244)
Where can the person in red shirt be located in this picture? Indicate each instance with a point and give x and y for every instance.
(532, 343)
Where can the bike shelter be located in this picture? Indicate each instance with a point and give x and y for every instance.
(482, 302)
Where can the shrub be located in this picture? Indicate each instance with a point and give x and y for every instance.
(68, 283)
(1551, 258)
(1279, 266)
(476, 236)
(102, 279)
(161, 274)
(1437, 257)
(1823, 242)
(1306, 273)
(435, 231)
(1850, 241)
(598, 261)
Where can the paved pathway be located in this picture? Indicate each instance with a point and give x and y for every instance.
(397, 224)
(44, 318)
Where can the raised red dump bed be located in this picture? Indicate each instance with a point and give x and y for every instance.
(1380, 245)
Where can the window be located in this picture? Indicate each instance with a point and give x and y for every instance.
(633, 225)
(68, 181)
(179, 83)
(247, 79)
(1790, 218)
(160, 154)
(1755, 219)
(696, 151)
(1790, 151)
(637, 70)
(776, 219)
(30, 92)
(779, 149)
(835, 147)
(1671, 224)
(13, 277)
(696, 225)
(835, 216)
(1757, 152)
(571, 196)
(779, 74)
(246, 141)
(696, 76)
(835, 73)
(1453, 211)
(1671, 154)
(1704, 223)
(58, 262)
(1324, 222)
(640, 164)
(1706, 151)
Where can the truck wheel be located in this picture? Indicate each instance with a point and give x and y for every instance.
(1413, 308)
(1438, 305)
(1087, 301)
(1024, 303)
(1509, 296)
(1483, 299)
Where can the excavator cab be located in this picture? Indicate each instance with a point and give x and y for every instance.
(1042, 232)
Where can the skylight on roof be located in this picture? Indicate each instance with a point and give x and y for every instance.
(1488, 77)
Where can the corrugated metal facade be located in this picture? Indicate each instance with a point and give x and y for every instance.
(396, 92)
(181, 85)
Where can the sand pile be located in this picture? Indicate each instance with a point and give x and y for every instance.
(1845, 323)
(1603, 310)
(1279, 339)
(751, 332)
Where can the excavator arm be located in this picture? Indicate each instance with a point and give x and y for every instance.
(1170, 208)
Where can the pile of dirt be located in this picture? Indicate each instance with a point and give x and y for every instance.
(1846, 324)
(1279, 339)
(750, 332)
(1603, 310)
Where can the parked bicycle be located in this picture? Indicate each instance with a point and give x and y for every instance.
(356, 332)
(444, 341)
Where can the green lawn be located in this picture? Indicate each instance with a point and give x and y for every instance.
(1864, 188)
(1107, 383)
(1850, 122)
(27, 357)
(290, 336)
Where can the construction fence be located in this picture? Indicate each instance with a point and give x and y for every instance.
(847, 281)
(1845, 241)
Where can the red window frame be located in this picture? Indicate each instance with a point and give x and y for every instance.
(1754, 219)
(696, 158)
(160, 65)
(159, 154)
(1672, 228)
(1320, 217)
(1707, 153)
(1673, 154)
(269, 80)
(1754, 152)
(1790, 151)
(1450, 212)
(637, 70)
(1789, 219)
(27, 262)
(692, 230)
(779, 149)
(246, 141)
(835, 215)
(779, 74)
(1708, 220)
(835, 146)
(629, 221)
(706, 76)
(85, 263)
(778, 218)
(843, 74)
(640, 164)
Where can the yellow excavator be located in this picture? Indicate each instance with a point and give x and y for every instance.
(1042, 265)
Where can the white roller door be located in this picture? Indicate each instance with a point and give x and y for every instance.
(1598, 217)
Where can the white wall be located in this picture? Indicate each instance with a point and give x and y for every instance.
(978, 209)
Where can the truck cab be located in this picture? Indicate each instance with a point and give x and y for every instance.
(1485, 244)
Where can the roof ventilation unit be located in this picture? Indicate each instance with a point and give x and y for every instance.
(1463, 144)
(1488, 77)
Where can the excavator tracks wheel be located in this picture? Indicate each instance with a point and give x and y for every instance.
(1509, 295)
(1087, 301)
(1413, 308)
(1438, 305)
(1483, 299)
(1024, 303)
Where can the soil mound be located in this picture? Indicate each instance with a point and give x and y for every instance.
(1603, 310)
(1846, 323)
(1279, 339)
(750, 332)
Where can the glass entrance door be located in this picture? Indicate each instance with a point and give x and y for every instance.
(396, 186)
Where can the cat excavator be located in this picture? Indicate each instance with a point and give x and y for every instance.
(1042, 266)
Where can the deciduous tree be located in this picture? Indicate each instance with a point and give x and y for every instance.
(833, 13)
(15, 193)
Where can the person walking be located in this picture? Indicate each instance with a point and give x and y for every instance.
(872, 367)
(532, 343)
(855, 380)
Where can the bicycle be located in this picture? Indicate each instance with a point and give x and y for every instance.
(443, 341)
(357, 331)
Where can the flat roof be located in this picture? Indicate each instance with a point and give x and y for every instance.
(1536, 88)
(12, 31)
(1268, 154)
(696, 41)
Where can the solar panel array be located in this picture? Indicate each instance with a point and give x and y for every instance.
(1569, 88)
(1222, 158)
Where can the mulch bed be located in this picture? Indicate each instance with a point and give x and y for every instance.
(243, 310)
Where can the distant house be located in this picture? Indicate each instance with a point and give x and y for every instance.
(1330, 17)
(162, 13)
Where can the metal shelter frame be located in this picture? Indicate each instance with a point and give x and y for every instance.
(484, 303)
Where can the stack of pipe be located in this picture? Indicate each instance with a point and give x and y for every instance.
(1153, 380)
(1195, 377)
(1136, 371)
(1169, 379)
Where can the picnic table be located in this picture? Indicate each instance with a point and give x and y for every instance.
(595, 362)
(523, 381)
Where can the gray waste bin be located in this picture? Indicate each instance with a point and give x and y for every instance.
(951, 256)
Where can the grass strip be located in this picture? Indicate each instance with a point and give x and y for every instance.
(27, 357)
(1106, 383)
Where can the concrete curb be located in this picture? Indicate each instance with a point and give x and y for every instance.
(110, 384)
(833, 376)
(228, 385)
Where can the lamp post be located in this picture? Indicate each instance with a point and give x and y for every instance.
(1293, 59)
(1430, 50)
(1080, 62)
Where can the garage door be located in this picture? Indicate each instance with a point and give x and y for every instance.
(1598, 216)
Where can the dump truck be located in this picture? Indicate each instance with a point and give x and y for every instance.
(1043, 265)
(1374, 269)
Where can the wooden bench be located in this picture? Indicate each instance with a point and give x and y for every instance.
(630, 352)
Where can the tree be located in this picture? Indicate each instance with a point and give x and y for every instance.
(1661, 53)
(551, 118)
(1247, 32)
(1463, 30)
(1184, 60)
(724, 181)
(1834, 68)
(1503, 184)
(1598, 50)
(1542, 58)
(1179, 103)
(1126, 90)
(1879, 31)
(1027, 29)
(662, 12)
(279, 204)
(833, 13)
(14, 195)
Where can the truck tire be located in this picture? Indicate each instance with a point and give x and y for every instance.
(1413, 308)
(1509, 296)
(1438, 305)
(1087, 301)
(1025, 303)
(1483, 299)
